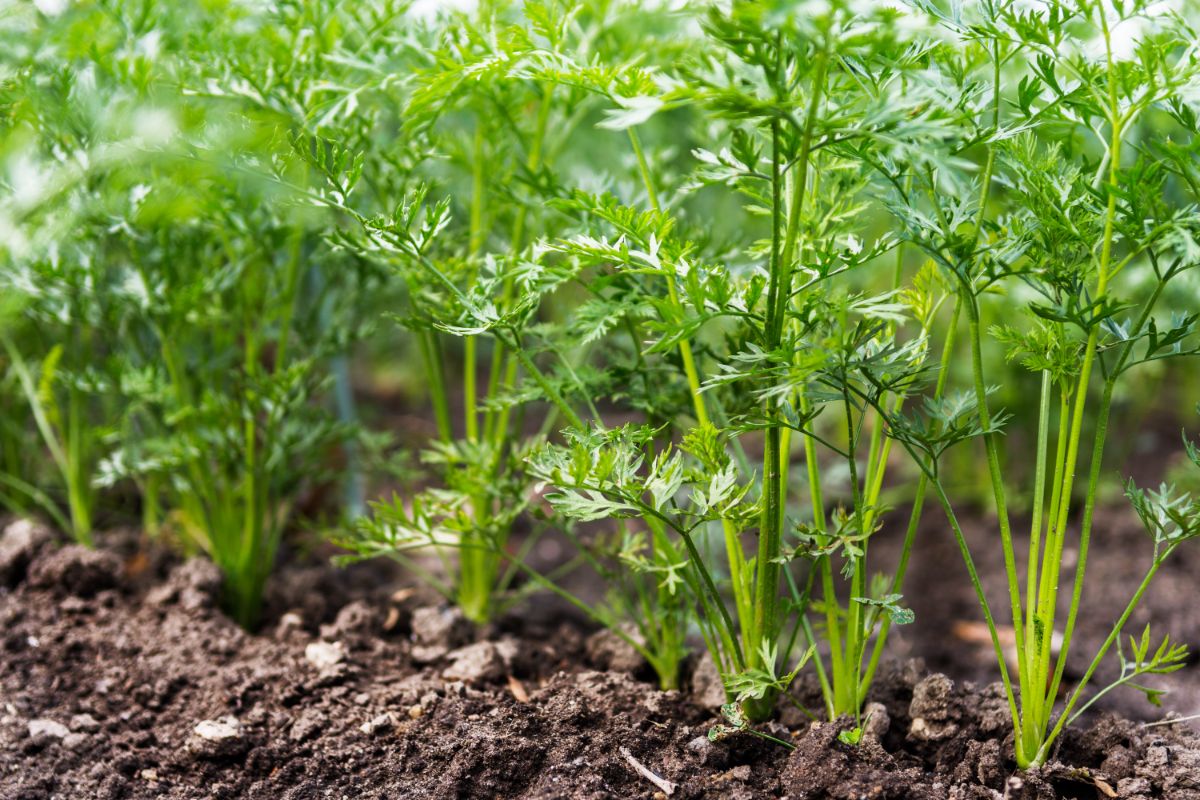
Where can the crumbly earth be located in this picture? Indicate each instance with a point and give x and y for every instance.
(120, 678)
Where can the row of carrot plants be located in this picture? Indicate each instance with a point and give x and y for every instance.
(704, 291)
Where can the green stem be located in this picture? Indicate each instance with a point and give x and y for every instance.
(291, 293)
(766, 588)
(1038, 639)
(546, 386)
(858, 588)
(78, 486)
(994, 471)
(1048, 611)
(477, 566)
(474, 245)
(822, 678)
(977, 585)
(252, 517)
(1089, 508)
(431, 354)
(1065, 717)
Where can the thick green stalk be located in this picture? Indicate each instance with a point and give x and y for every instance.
(825, 565)
(1089, 507)
(766, 589)
(1035, 643)
(431, 354)
(1048, 607)
(78, 479)
(476, 565)
(474, 245)
(1060, 454)
(767, 571)
(1038, 712)
(994, 471)
(786, 264)
(855, 627)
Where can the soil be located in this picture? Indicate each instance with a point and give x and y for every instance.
(121, 678)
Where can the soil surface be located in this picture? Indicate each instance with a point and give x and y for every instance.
(120, 678)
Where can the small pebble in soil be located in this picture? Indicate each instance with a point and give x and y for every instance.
(509, 650)
(1134, 787)
(308, 726)
(218, 729)
(710, 755)
(876, 720)
(325, 655)
(931, 710)
(607, 650)
(380, 724)
(47, 727)
(475, 663)
(218, 738)
(740, 773)
(194, 585)
(74, 741)
(357, 618)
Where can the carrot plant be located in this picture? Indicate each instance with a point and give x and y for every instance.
(794, 335)
(165, 238)
(64, 128)
(464, 242)
(58, 396)
(1085, 223)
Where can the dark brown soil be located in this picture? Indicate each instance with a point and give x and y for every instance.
(119, 678)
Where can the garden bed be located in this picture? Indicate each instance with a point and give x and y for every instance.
(120, 678)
